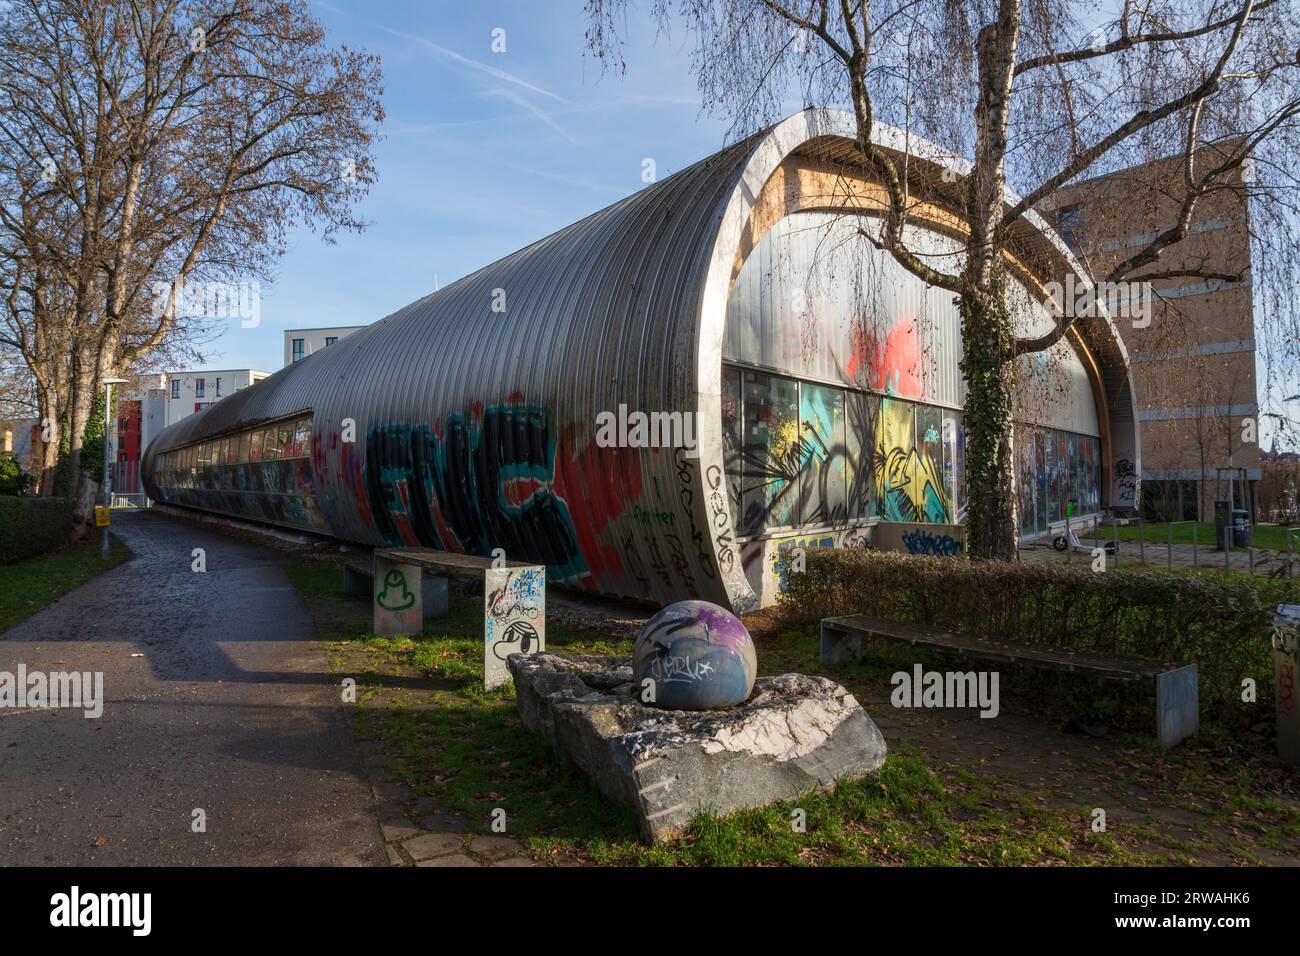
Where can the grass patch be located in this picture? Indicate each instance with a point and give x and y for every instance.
(28, 586)
(422, 699)
(1271, 536)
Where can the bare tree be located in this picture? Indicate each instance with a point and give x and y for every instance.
(1037, 94)
(148, 145)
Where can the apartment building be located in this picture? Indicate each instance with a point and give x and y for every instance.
(1193, 352)
(299, 343)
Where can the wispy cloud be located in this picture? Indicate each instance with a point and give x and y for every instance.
(536, 111)
(491, 71)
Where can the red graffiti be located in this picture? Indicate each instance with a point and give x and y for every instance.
(597, 484)
(517, 491)
(895, 367)
(352, 474)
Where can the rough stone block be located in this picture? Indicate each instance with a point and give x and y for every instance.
(796, 733)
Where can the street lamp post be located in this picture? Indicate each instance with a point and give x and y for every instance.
(108, 480)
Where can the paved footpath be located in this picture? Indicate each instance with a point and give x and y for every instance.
(217, 697)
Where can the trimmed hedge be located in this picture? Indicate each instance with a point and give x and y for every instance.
(1220, 622)
(30, 526)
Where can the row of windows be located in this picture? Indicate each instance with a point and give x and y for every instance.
(300, 346)
(1055, 468)
(200, 387)
(283, 440)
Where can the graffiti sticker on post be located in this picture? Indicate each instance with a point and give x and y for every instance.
(514, 617)
(399, 605)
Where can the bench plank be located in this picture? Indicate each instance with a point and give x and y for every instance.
(446, 562)
(1110, 667)
(1176, 687)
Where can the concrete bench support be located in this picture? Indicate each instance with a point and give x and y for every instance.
(435, 596)
(840, 646)
(514, 599)
(398, 597)
(1178, 714)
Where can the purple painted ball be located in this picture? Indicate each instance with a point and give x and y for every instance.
(698, 656)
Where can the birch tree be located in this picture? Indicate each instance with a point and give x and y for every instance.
(1035, 95)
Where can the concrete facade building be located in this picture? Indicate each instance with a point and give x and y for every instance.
(1193, 357)
(300, 343)
(162, 399)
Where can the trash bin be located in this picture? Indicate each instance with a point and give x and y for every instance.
(1240, 528)
(1222, 515)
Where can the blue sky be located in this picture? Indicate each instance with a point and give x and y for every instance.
(482, 153)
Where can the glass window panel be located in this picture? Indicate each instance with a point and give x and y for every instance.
(861, 411)
(255, 446)
(895, 452)
(303, 433)
(954, 464)
(929, 491)
(769, 496)
(1026, 486)
(271, 444)
(731, 427)
(823, 454)
(1061, 475)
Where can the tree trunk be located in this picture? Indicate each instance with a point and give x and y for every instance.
(48, 456)
(83, 490)
(986, 340)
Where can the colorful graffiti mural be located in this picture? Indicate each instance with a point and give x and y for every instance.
(909, 465)
(1053, 468)
(802, 454)
(496, 477)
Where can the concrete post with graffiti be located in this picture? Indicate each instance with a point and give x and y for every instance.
(399, 601)
(514, 618)
(1286, 665)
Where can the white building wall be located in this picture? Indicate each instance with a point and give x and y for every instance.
(313, 340)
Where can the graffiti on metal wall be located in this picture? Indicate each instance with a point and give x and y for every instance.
(496, 477)
(263, 472)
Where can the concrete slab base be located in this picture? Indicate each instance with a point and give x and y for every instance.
(796, 733)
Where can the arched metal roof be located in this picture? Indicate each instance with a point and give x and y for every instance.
(475, 429)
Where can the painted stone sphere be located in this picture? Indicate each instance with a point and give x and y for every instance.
(699, 656)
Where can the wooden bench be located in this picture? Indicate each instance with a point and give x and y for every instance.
(404, 596)
(1177, 696)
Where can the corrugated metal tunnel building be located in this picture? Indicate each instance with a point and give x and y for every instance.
(820, 379)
